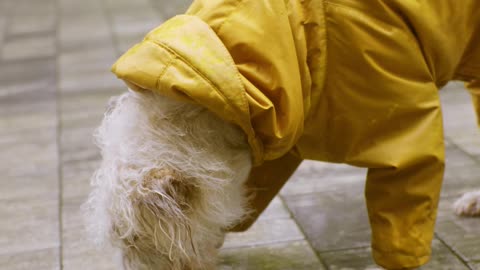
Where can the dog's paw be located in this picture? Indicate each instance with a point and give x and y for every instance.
(468, 204)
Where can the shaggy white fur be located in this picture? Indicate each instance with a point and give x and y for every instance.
(170, 182)
(468, 204)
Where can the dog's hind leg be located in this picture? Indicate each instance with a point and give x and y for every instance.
(468, 204)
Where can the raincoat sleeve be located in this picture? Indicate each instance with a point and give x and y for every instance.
(239, 59)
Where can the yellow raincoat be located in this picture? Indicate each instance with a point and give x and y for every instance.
(333, 80)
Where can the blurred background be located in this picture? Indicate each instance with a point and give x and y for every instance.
(55, 57)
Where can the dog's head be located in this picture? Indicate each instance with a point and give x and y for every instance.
(170, 182)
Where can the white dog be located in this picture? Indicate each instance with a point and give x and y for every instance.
(170, 183)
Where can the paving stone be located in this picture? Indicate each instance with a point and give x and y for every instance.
(29, 162)
(31, 140)
(71, 24)
(462, 132)
(455, 129)
(284, 256)
(43, 259)
(85, 61)
(25, 118)
(457, 157)
(332, 220)
(27, 7)
(32, 223)
(314, 176)
(275, 210)
(84, 33)
(76, 178)
(453, 93)
(28, 47)
(5, 7)
(3, 26)
(26, 105)
(26, 123)
(31, 24)
(78, 146)
(81, 114)
(353, 259)
(88, 71)
(460, 179)
(17, 72)
(462, 173)
(126, 42)
(30, 165)
(459, 107)
(94, 81)
(459, 118)
(171, 8)
(32, 98)
(85, 109)
(470, 143)
(134, 21)
(24, 97)
(264, 232)
(80, 8)
(461, 234)
(475, 265)
(29, 183)
(126, 4)
(79, 252)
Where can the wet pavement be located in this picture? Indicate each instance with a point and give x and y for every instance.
(55, 57)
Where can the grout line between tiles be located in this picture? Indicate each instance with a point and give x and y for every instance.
(453, 251)
(58, 115)
(317, 254)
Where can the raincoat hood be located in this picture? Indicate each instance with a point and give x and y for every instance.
(211, 64)
(193, 66)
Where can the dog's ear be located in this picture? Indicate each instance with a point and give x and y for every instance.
(162, 202)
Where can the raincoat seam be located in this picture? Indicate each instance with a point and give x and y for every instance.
(179, 57)
(160, 76)
(243, 100)
(244, 103)
(325, 45)
(325, 60)
(324, 95)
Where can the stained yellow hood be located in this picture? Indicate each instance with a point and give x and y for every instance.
(184, 58)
